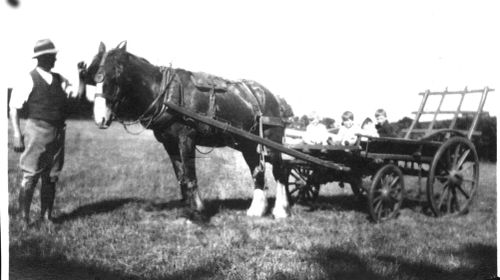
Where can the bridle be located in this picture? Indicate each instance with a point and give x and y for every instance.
(149, 116)
(99, 78)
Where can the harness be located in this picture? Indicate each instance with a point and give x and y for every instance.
(154, 112)
(148, 117)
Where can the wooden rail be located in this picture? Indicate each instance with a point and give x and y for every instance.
(456, 113)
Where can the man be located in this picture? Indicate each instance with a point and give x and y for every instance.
(44, 95)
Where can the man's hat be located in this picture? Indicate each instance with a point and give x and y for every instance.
(44, 46)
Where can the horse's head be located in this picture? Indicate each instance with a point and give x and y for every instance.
(105, 72)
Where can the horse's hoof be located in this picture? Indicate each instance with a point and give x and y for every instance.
(281, 213)
(259, 204)
(253, 212)
(194, 216)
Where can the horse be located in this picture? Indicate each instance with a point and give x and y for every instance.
(134, 90)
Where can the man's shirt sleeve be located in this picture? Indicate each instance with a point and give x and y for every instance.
(21, 92)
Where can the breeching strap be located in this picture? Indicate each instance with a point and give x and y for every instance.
(261, 149)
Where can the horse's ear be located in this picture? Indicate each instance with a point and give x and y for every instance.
(102, 48)
(122, 45)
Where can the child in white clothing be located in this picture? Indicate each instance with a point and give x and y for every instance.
(368, 129)
(348, 130)
(316, 132)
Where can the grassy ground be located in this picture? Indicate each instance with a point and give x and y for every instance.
(117, 218)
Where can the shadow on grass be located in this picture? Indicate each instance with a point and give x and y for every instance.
(57, 267)
(347, 202)
(343, 263)
(212, 208)
(29, 259)
(478, 261)
(339, 202)
(95, 208)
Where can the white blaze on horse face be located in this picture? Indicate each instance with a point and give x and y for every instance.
(259, 204)
(281, 206)
(102, 114)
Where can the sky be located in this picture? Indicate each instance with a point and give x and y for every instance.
(321, 56)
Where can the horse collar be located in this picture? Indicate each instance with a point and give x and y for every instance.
(152, 113)
(167, 78)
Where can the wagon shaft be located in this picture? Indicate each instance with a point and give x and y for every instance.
(255, 138)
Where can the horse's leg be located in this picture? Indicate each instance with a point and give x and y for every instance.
(172, 148)
(281, 206)
(259, 201)
(188, 176)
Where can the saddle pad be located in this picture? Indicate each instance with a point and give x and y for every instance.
(206, 81)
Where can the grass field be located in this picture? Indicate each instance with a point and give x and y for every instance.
(118, 218)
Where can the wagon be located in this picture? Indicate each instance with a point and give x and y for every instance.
(444, 163)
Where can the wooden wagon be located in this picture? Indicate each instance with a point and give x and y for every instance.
(446, 159)
(444, 162)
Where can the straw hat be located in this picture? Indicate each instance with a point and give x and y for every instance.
(44, 46)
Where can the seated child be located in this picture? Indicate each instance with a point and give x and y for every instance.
(384, 128)
(316, 133)
(348, 130)
(368, 129)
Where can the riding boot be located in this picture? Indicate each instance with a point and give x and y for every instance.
(25, 197)
(47, 197)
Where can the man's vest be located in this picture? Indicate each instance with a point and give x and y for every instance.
(47, 102)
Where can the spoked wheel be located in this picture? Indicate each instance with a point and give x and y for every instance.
(386, 193)
(453, 177)
(301, 187)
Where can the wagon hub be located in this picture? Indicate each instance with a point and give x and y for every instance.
(385, 193)
(456, 177)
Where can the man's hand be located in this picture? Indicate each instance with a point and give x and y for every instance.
(18, 144)
(82, 69)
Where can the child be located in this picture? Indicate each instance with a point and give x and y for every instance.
(348, 130)
(316, 132)
(384, 129)
(368, 129)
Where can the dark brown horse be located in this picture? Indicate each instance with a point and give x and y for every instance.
(135, 90)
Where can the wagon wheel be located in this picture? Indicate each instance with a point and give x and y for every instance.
(386, 193)
(453, 177)
(301, 185)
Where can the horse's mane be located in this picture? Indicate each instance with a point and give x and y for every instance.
(118, 53)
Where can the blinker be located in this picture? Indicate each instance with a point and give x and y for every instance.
(99, 77)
